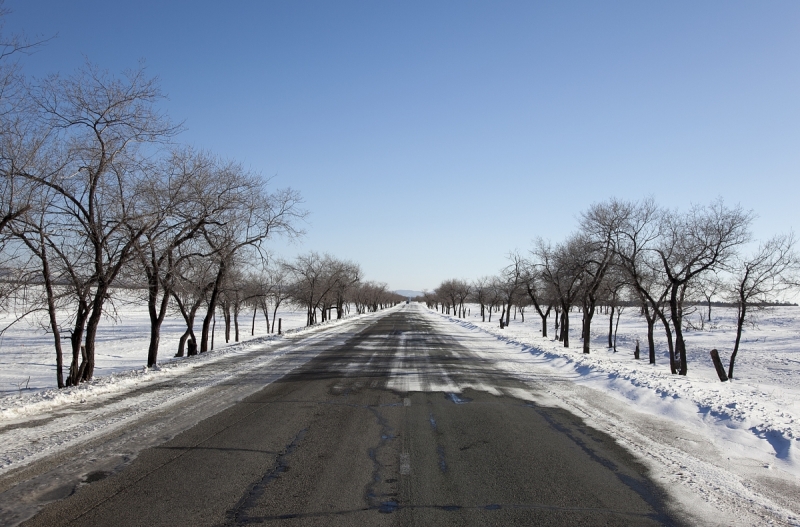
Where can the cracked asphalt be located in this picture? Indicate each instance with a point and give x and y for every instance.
(362, 435)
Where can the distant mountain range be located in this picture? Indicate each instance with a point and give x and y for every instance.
(409, 293)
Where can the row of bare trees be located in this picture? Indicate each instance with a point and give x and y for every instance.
(98, 194)
(106, 206)
(98, 198)
(320, 284)
(661, 261)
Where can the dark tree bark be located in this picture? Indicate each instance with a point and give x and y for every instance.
(51, 311)
(212, 307)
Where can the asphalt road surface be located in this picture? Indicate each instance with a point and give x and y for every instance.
(339, 441)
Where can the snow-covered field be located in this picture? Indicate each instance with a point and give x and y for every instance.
(764, 398)
(27, 356)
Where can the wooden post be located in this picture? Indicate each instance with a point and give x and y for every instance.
(718, 366)
(279, 326)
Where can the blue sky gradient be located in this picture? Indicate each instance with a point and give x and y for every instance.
(430, 138)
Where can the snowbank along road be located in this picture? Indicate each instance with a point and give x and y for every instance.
(394, 421)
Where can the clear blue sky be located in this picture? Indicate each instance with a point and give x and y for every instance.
(430, 138)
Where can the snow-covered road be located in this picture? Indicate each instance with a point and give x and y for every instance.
(720, 471)
(55, 440)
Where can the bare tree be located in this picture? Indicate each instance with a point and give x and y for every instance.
(446, 292)
(23, 148)
(708, 286)
(372, 296)
(280, 290)
(599, 226)
(250, 217)
(32, 230)
(320, 281)
(231, 298)
(23, 138)
(512, 281)
(561, 267)
(495, 296)
(635, 238)
(539, 293)
(267, 286)
(350, 275)
(462, 289)
(100, 124)
(180, 195)
(193, 278)
(756, 277)
(701, 240)
(612, 291)
(480, 293)
(454, 292)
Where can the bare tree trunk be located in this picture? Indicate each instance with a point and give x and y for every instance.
(236, 321)
(739, 324)
(226, 316)
(188, 317)
(51, 311)
(76, 341)
(213, 330)
(182, 344)
(91, 329)
(650, 315)
(680, 345)
(588, 313)
(556, 321)
(670, 345)
(212, 308)
(565, 325)
(156, 317)
(274, 314)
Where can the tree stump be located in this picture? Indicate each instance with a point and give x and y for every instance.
(718, 366)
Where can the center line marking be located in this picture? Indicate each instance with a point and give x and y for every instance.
(405, 464)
